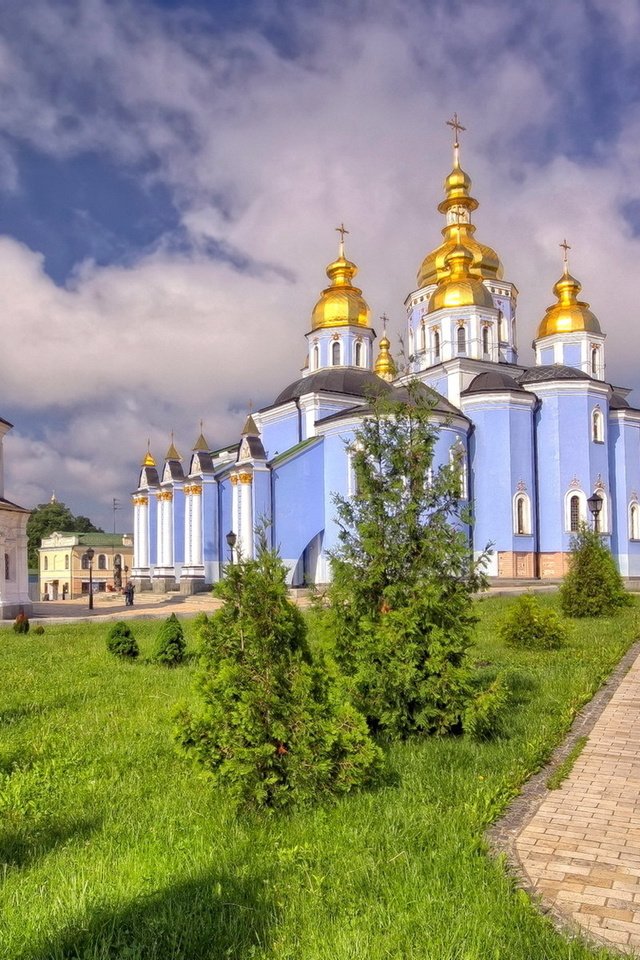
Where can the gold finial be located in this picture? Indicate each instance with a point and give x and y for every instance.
(385, 366)
(201, 445)
(565, 259)
(385, 320)
(148, 460)
(457, 126)
(341, 230)
(172, 453)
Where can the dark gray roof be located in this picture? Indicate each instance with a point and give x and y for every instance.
(346, 380)
(175, 469)
(205, 462)
(149, 475)
(618, 402)
(553, 371)
(256, 449)
(403, 395)
(492, 380)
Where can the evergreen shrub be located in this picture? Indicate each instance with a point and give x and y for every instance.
(271, 725)
(21, 623)
(592, 587)
(529, 625)
(170, 643)
(121, 641)
(39, 629)
(484, 714)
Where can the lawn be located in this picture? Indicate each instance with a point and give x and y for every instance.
(113, 845)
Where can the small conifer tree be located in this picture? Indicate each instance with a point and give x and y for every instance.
(529, 625)
(404, 574)
(170, 643)
(21, 623)
(592, 587)
(121, 641)
(271, 726)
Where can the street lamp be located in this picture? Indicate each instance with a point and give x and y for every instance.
(89, 555)
(594, 503)
(231, 542)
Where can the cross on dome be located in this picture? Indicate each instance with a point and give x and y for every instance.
(565, 258)
(457, 126)
(341, 230)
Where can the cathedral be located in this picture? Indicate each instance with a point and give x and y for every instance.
(542, 448)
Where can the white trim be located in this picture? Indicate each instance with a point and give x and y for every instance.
(523, 498)
(582, 508)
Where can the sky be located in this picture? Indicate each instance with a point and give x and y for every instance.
(172, 173)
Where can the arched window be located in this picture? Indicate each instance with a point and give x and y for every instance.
(316, 356)
(66, 561)
(462, 340)
(85, 562)
(458, 460)
(634, 520)
(601, 519)
(595, 362)
(358, 353)
(335, 353)
(46, 563)
(423, 337)
(522, 514)
(102, 562)
(513, 332)
(502, 327)
(575, 513)
(485, 341)
(597, 426)
(117, 560)
(436, 344)
(7, 567)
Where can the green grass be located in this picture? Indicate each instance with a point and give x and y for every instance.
(114, 846)
(563, 769)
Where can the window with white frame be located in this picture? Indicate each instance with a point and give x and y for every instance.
(316, 356)
(461, 339)
(521, 514)
(485, 341)
(634, 520)
(335, 353)
(575, 510)
(597, 425)
(358, 353)
(436, 344)
(423, 337)
(595, 361)
(458, 460)
(601, 519)
(102, 562)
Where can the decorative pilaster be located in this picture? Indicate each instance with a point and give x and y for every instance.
(245, 507)
(192, 577)
(164, 574)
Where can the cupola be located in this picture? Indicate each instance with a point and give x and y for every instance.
(458, 287)
(340, 304)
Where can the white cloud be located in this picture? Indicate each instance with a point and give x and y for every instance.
(264, 154)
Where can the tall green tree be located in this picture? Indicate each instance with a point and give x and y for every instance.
(404, 573)
(593, 586)
(271, 725)
(50, 517)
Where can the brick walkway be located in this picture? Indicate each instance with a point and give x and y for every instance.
(581, 849)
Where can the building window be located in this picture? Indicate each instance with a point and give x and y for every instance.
(85, 562)
(458, 461)
(436, 344)
(575, 510)
(634, 520)
(485, 341)
(423, 338)
(316, 356)
(597, 426)
(7, 567)
(595, 362)
(522, 514)
(46, 563)
(574, 513)
(502, 327)
(102, 562)
(358, 354)
(601, 520)
(66, 561)
(335, 353)
(462, 340)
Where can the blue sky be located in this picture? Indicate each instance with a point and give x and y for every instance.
(171, 174)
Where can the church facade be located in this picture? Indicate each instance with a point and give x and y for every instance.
(535, 443)
(14, 576)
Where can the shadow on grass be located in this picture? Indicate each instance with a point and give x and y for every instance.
(19, 848)
(208, 918)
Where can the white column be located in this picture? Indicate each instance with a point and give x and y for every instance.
(188, 525)
(246, 515)
(141, 532)
(165, 530)
(235, 513)
(196, 526)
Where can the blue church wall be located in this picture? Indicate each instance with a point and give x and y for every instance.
(178, 528)
(282, 434)
(572, 355)
(261, 488)
(209, 524)
(298, 510)
(546, 355)
(624, 456)
(336, 480)
(502, 463)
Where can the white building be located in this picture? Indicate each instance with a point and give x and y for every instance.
(14, 576)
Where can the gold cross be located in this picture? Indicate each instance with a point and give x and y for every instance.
(385, 320)
(342, 230)
(457, 126)
(565, 246)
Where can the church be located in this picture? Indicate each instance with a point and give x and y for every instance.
(541, 447)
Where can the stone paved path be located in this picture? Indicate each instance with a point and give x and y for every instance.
(581, 849)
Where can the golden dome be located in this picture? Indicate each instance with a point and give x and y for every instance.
(458, 287)
(341, 303)
(458, 205)
(385, 365)
(147, 460)
(568, 314)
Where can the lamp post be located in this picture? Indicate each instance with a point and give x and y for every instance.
(594, 503)
(231, 539)
(89, 555)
